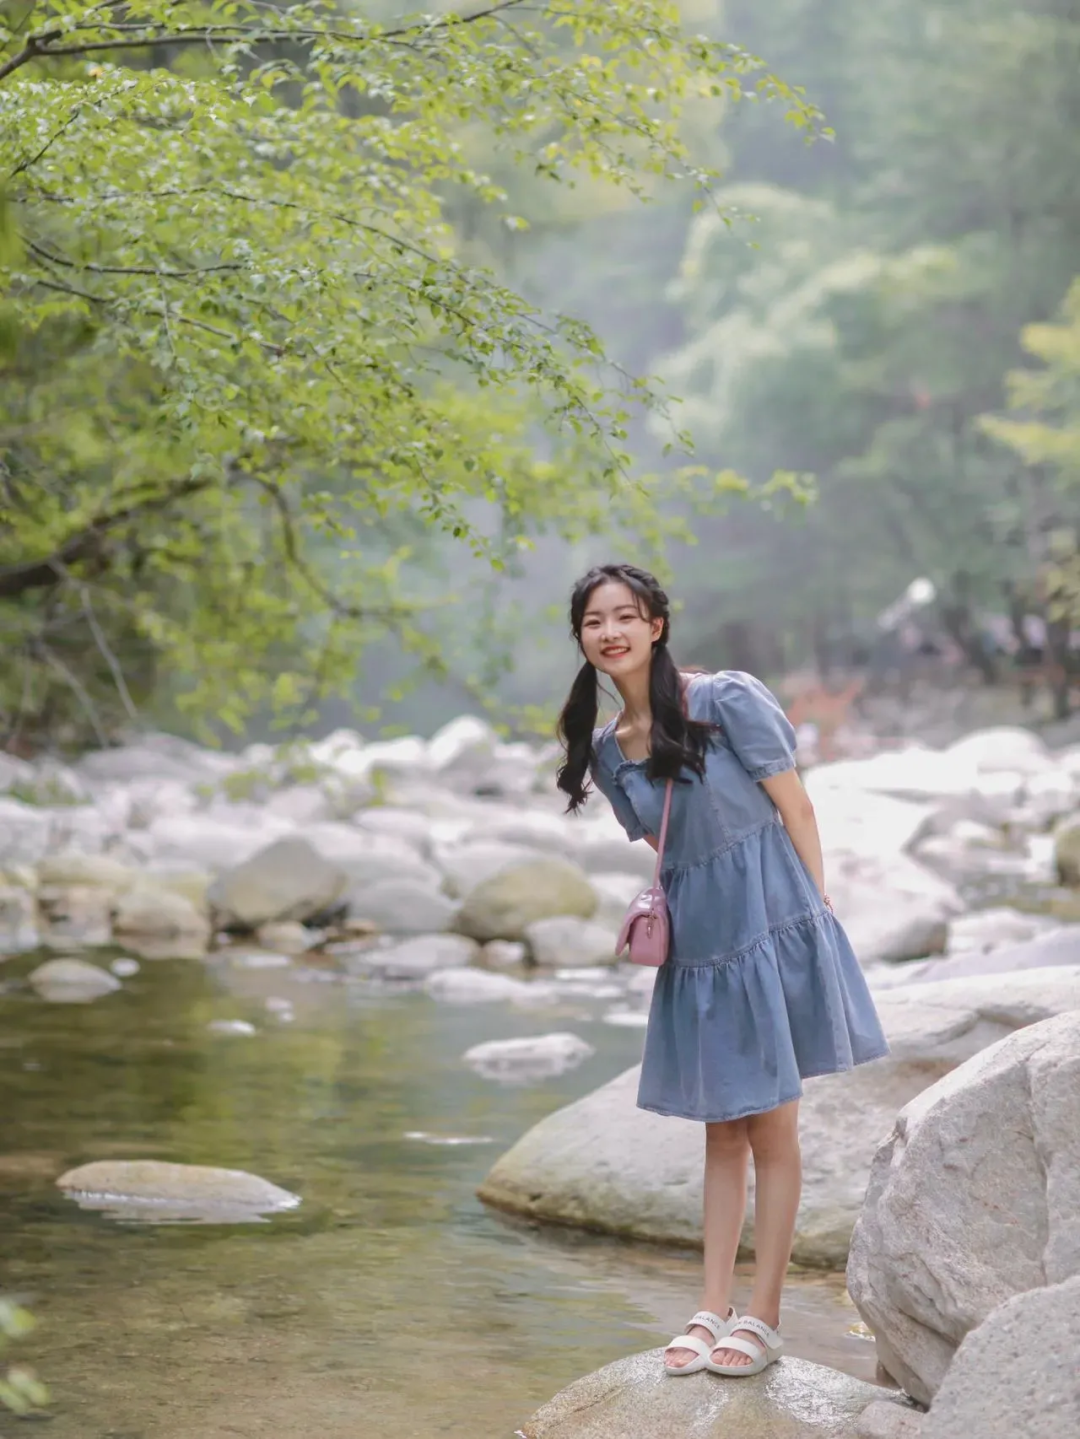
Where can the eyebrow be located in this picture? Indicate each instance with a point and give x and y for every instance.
(625, 606)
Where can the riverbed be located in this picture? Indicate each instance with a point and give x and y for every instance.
(390, 1304)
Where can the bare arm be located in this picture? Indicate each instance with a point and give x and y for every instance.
(796, 810)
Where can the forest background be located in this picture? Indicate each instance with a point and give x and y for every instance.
(323, 333)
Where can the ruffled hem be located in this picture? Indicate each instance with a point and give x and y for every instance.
(738, 1036)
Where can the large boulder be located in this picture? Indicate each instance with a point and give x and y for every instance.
(209, 841)
(464, 866)
(568, 942)
(504, 905)
(160, 924)
(286, 880)
(156, 756)
(72, 915)
(603, 1164)
(153, 1190)
(1056, 947)
(402, 906)
(1017, 1373)
(974, 1197)
(985, 930)
(892, 908)
(634, 1399)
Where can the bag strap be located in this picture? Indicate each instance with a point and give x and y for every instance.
(663, 834)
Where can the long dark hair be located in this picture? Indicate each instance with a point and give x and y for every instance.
(676, 742)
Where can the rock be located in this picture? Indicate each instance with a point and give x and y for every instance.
(239, 1027)
(93, 871)
(404, 824)
(402, 906)
(989, 929)
(615, 890)
(464, 866)
(564, 940)
(603, 1164)
(1056, 947)
(186, 879)
(462, 751)
(74, 914)
(72, 981)
(303, 804)
(18, 920)
(1067, 850)
(286, 880)
(124, 967)
(15, 773)
(1002, 749)
(51, 783)
(151, 799)
(1017, 1373)
(503, 906)
(541, 1056)
(634, 1399)
(416, 958)
(529, 829)
(155, 756)
(890, 1419)
(152, 1190)
(25, 833)
(604, 848)
(287, 937)
(148, 910)
(211, 842)
(892, 908)
(478, 986)
(974, 1197)
(504, 953)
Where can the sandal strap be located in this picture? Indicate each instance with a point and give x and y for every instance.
(693, 1342)
(758, 1326)
(744, 1346)
(710, 1321)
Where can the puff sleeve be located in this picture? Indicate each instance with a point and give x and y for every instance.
(754, 724)
(608, 786)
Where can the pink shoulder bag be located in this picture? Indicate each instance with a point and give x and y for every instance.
(647, 928)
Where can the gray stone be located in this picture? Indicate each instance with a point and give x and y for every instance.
(540, 1056)
(25, 833)
(288, 936)
(402, 906)
(286, 880)
(464, 866)
(18, 920)
(1057, 947)
(1067, 850)
(890, 1419)
(72, 981)
(417, 957)
(211, 842)
(602, 850)
(570, 942)
(96, 871)
(155, 1191)
(504, 953)
(1017, 1374)
(479, 986)
(987, 929)
(503, 906)
(74, 914)
(974, 1197)
(634, 1399)
(146, 909)
(603, 1164)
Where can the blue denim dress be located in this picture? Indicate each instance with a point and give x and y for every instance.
(761, 988)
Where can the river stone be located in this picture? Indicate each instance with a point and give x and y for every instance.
(286, 880)
(479, 986)
(303, 804)
(404, 824)
(287, 936)
(1057, 947)
(98, 871)
(569, 942)
(25, 833)
(1003, 748)
(147, 909)
(150, 1189)
(989, 929)
(417, 957)
(464, 866)
(503, 906)
(18, 920)
(601, 850)
(890, 1419)
(615, 890)
(72, 981)
(1067, 850)
(504, 953)
(892, 908)
(540, 1056)
(209, 841)
(1017, 1373)
(74, 914)
(634, 1399)
(603, 1164)
(402, 906)
(974, 1197)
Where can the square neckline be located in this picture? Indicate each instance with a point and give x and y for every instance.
(613, 724)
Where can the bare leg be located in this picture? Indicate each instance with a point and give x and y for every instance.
(727, 1154)
(774, 1140)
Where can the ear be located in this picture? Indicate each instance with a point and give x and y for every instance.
(657, 626)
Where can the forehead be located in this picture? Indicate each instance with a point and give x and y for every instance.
(612, 595)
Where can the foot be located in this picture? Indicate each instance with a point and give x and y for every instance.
(735, 1357)
(677, 1358)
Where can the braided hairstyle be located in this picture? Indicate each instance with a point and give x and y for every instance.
(676, 742)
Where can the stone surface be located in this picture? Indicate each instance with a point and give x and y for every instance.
(479, 986)
(892, 908)
(74, 914)
(567, 941)
(890, 1419)
(464, 866)
(287, 936)
(18, 920)
(25, 833)
(402, 906)
(1057, 947)
(974, 1197)
(601, 1163)
(153, 1190)
(417, 957)
(504, 953)
(989, 929)
(1017, 1374)
(286, 880)
(1067, 850)
(503, 906)
(97, 871)
(72, 981)
(146, 909)
(541, 1056)
(634, 1399)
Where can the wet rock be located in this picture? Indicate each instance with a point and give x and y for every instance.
(418, 957)
(604, 1164)
(289, 879)
(72, 981)
(74, 914)
(564, 940)
(479, 986)
(974, 1197)
(1016, 1374)
(1051, 950)
(541, 1056)
(1067, 850)
(634, 1399)
(287, 936)
(153, 1191)
(503, 906)
(402, 906)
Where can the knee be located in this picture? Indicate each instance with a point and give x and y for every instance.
(773, 1136)
(727, 1139)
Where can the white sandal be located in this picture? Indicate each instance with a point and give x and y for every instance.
(717, 1327)
(760, 1357)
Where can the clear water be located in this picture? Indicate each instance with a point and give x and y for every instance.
(391, 1304)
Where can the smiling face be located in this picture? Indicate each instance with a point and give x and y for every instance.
(617, 634)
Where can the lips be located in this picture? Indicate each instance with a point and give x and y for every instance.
(614, 654)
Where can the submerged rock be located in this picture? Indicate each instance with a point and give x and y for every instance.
(417, 957)
(634, 1399)
(153, 1191)
(72, 981)
(541, 1056)
(974, 1197)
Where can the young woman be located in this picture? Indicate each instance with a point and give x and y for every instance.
(761, 988)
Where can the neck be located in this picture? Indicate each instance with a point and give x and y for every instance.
(634, 691)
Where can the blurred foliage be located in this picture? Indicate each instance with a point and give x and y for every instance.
(21, 1391)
